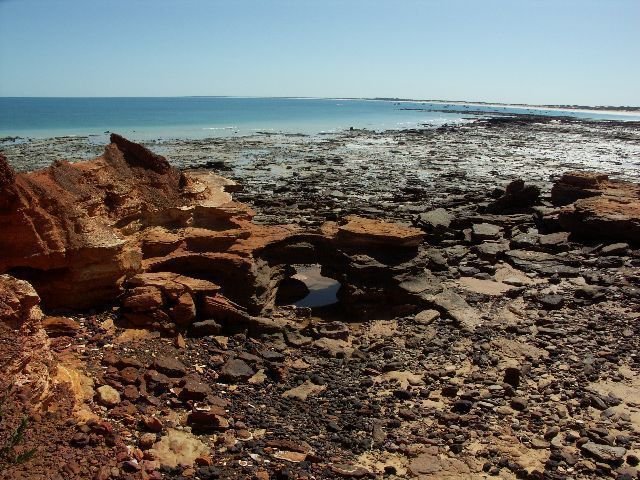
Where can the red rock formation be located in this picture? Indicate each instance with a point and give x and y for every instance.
(78, 231)
(366, 233)
(70, 228)
(575, 185)
(29, 364)
(136, 154)
(59, 225)
(600, 208)
(164, 301)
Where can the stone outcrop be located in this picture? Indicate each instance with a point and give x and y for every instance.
(65, 227)
(77, 231)
(573, 186)
(185, 254)
(166, 300)
(29, 366)
(517, 197)
(178, 246)
(595, 206)
(360, 232)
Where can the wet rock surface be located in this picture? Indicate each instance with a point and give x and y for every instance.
(473, 338)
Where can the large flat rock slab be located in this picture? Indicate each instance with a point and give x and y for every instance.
(358, 231)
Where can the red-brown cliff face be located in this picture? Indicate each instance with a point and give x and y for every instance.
(66, 228)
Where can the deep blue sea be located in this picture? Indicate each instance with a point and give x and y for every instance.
(201, 117)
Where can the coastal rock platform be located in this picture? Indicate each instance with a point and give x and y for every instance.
(151, 325)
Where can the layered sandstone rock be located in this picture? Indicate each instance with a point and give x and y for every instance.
(170, 302)
(364, 232)
(599, 208)
(30, 365)
(61, 226)
(187, 257)
(164, 300)
(573, 186)
(78, 230)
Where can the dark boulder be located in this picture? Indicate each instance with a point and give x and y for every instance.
(517, 197)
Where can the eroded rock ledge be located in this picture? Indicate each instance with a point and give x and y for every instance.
(597, 207)
(81, 232)
(183, 250)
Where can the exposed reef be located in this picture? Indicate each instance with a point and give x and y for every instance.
(148, 327)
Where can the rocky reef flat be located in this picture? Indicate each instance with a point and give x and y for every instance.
(476, 289)
(396, 173)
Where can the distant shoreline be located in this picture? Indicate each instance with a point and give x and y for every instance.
(581, 108)
(585, 108)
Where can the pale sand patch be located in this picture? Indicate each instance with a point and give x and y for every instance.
(69, 370)
(178, 448)
(219, 187)
(288, 456)
(377, 461)
(512, 313)
(434, 464)
(628, 390)
(301, 392)
(462, 345)
(402, 377)
(135, 335)
(530, 459)
(507, 274)
(516, 351)
(464, 370)
(485, 287)
(334, 346)
(297, 364)
(258, 378)
(382, 328)
(434, 402)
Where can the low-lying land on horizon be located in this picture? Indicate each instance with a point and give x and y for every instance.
(611, 108)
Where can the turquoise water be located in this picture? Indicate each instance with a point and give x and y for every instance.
(200, 117)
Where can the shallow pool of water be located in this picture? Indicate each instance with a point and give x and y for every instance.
(322, 290)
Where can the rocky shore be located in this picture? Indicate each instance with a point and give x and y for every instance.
(485, 324)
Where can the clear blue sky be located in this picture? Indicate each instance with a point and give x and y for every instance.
(535, 51)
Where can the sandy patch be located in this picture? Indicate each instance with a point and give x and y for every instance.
(377, 461)
(178, 448)
(402, 378)
(69, 370)
(485, 287)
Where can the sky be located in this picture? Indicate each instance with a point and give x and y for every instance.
(521, 51)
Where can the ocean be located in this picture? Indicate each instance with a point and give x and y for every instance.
(202, 117)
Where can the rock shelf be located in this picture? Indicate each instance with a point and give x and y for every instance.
(483, 328)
